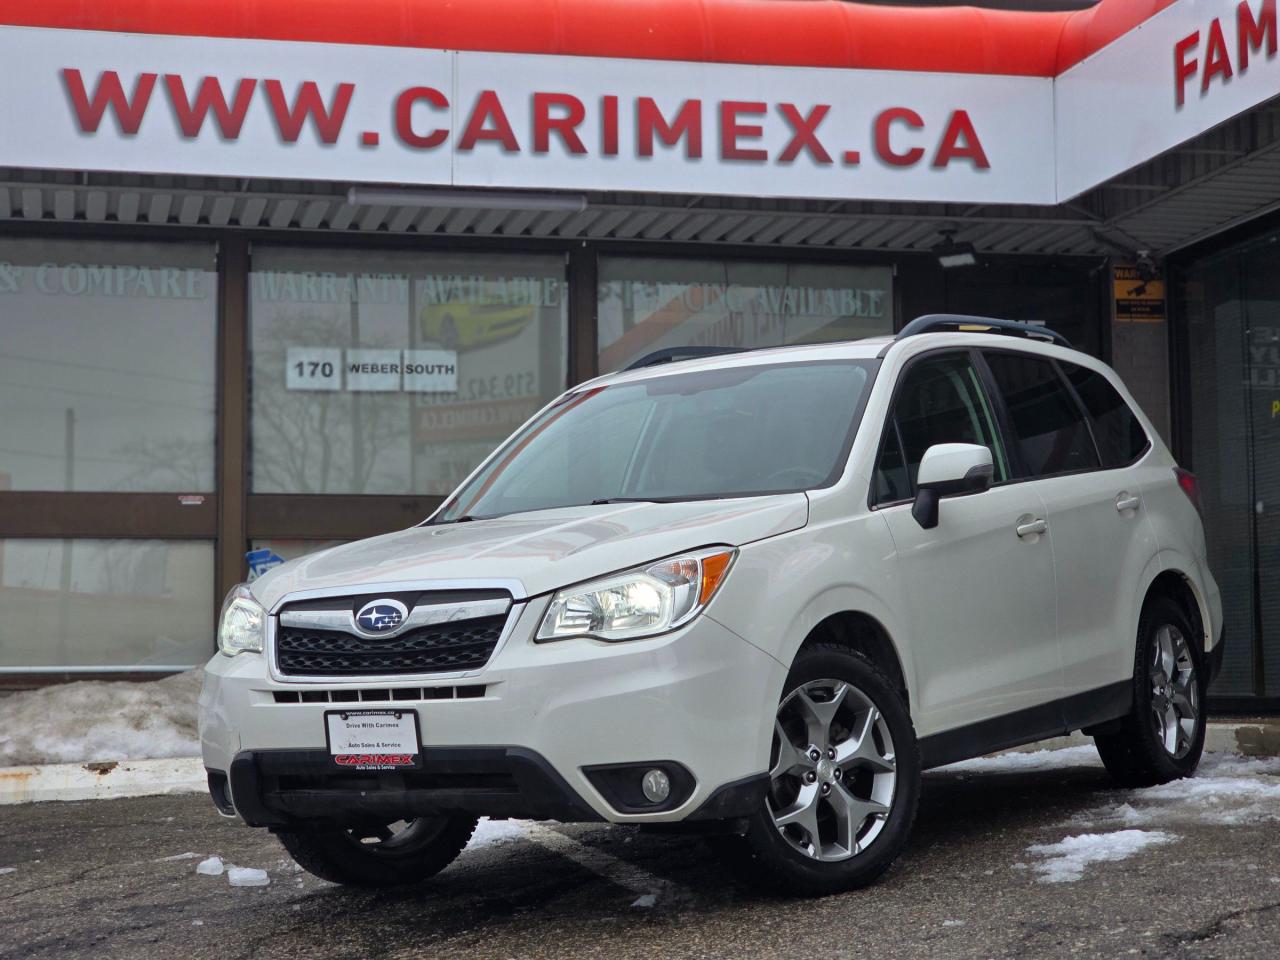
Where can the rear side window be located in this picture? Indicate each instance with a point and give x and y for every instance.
(1117, 431)
(1049, 425)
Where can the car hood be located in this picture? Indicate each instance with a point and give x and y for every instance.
(540, 551)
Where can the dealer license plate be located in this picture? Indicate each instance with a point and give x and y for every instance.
(374, 739)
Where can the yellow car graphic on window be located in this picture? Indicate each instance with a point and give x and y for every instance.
(462, 326)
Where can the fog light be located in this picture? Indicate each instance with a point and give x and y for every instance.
(656, 786)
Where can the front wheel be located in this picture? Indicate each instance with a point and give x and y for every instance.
(844, 778)
(376, 855)
(1162, 737)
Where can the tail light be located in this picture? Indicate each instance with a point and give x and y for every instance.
(1191, 487)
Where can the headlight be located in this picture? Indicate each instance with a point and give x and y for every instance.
(638, 603)
(243, 623)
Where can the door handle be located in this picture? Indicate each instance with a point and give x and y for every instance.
(1031, 528)
(1126, 501)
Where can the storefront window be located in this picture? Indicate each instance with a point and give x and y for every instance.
(137, 604)
(264, 555)
(646, 304)
(1231, 303)
(396, 373)
(1062, 296)
(107, 366)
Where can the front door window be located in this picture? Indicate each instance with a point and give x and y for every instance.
(940, 400)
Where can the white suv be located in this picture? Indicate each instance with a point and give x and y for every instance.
(757, 591)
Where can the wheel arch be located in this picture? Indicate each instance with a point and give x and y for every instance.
(1177, 586)
(858, 631)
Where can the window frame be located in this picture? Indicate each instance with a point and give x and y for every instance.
(1146, 435)
(1018, 468)
(1008, 417)
(997, 409)
(840, 465)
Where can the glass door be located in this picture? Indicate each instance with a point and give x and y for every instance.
(1260, 271)
(1231, 303)
(1220, 453)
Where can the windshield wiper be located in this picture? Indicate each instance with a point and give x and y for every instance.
(605, 500)
(465, 518)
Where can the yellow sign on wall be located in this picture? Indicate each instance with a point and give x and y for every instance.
(1137, 300)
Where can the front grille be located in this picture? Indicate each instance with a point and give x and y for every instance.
(439, 648)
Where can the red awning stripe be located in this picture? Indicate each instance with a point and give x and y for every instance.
(808, 33)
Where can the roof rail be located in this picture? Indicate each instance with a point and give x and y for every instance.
(676, 354)
(932, 322)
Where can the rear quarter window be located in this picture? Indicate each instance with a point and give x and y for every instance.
(1050, 428)
(1117, 430)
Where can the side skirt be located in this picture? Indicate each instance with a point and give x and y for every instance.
(1053, 719)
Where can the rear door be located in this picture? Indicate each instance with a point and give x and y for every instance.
(979, 596)
(1077, 441)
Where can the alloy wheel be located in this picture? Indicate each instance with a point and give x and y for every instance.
(834, 773)
(1175, 693)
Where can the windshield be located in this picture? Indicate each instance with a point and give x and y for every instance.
(732, 432)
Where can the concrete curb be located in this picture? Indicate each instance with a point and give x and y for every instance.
(102, 780)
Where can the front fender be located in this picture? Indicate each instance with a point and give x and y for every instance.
(783, 587)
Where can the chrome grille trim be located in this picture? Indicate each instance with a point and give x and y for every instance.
(420, 616)
(516, 609)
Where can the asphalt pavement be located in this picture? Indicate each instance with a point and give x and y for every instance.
(116, 878)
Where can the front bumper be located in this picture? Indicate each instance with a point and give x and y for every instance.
(523, 737)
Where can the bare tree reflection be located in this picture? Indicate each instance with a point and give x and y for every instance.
(311, 441)
(178, 464)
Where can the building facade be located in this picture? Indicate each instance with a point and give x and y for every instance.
(267, 286)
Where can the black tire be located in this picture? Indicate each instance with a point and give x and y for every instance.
(422, 850)
(766, 858)
(1134, 752)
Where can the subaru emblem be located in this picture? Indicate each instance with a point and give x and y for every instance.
(381, 616)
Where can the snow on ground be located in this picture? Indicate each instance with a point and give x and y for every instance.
(1026, 762)
(210, 867)
(236, 876)
(1065, 861)
(247, 877)
(1227, 790)
(491, 833)
(101, 720)
(4, 870)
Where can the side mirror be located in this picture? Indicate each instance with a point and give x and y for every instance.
(949, 470)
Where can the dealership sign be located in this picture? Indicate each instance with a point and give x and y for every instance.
(131, 102)
(79, 99)
(1186, 70)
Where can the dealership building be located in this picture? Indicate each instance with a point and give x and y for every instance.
(271, 282)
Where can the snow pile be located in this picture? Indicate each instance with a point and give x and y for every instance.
(1027, 762)
(236, 876)
(1226, 790)
(492, 833)
(1065, 861)
(247, 877)
(101, 720)
(211, 867)
(4, 870)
